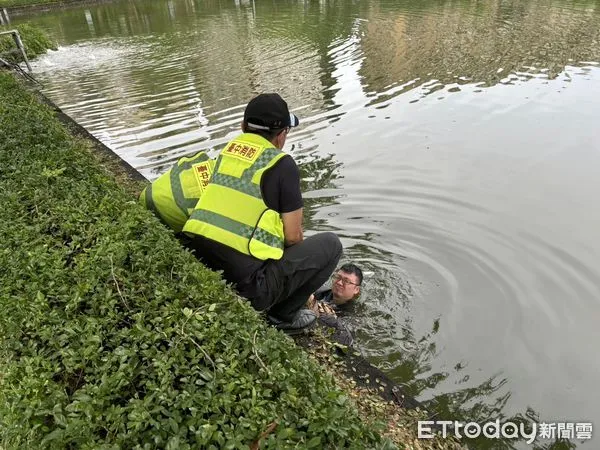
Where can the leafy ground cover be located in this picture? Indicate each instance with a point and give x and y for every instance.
(114, 336)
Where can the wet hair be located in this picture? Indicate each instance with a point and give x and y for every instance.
(353, 269)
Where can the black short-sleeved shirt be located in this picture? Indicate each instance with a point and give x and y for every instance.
(280, 187)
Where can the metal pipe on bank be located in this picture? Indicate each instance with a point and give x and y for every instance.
(17, 38)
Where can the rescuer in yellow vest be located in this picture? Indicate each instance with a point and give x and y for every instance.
(248, 221)
(173, 196)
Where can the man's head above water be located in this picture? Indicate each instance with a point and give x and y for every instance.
(345, 284)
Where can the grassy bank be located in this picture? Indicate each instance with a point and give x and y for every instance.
(11, 3)
(34, 40)
(112, 335)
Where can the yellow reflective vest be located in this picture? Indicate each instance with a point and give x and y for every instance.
(173, 196)
(232, 211)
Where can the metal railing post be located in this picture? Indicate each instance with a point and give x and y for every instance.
(17, 38)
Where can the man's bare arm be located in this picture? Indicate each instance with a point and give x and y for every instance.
(292, 227)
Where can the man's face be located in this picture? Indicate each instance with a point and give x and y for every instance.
(344, 287)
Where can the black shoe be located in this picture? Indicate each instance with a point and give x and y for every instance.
(305, 319)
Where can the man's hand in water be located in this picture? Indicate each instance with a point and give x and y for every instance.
(325, 310)
(319, 308)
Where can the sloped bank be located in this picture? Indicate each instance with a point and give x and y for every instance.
(109, 322)
(112, 334)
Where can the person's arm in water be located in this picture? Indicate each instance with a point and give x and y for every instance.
(292, 227)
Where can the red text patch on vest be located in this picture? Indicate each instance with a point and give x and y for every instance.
(245, 152)
(203, 173)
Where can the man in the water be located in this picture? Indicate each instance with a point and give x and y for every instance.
(345, 287)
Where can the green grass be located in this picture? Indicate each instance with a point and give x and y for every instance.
(9, 3)
(111, 335)
(34, 40)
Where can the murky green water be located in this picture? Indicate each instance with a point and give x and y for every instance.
(453, 145)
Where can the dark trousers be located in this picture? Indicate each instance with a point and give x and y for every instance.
(284, 286)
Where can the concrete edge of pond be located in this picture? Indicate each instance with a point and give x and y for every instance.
(19, 10)
(356, 367)
(353, 364)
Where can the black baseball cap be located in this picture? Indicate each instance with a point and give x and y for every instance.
(269, 112)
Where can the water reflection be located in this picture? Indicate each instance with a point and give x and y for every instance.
(451, 144)
(318, 182)
(325, 56)
(413, 363)
(474, 42)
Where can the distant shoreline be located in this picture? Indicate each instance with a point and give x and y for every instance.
(19, 10)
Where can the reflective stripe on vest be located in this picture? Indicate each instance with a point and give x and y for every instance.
(173, 196)
(232, 210)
